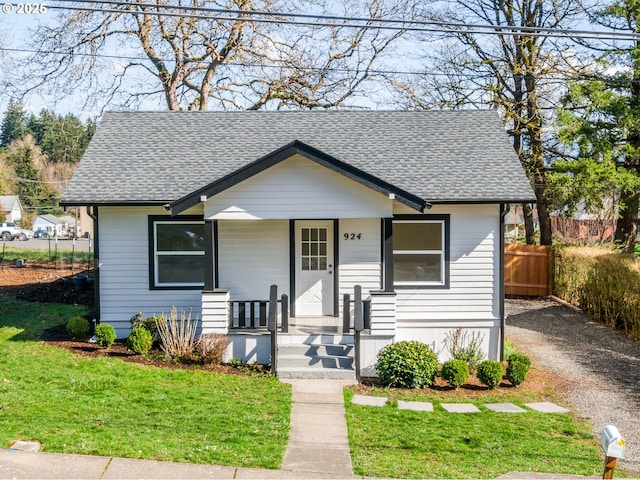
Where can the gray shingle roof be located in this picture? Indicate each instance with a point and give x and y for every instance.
(159, 157)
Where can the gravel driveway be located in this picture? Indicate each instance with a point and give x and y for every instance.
(602, 365)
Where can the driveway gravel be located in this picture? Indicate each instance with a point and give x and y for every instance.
(601, 366)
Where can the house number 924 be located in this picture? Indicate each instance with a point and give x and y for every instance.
(352, 236)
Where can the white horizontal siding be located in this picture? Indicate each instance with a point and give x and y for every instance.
(252, 256)
(435, 337)
(124, 270)
(473, 291)
(383, 314)
(297, 188)
(359, 258)
(215, 312)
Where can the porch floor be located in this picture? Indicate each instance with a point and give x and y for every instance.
(315, 325)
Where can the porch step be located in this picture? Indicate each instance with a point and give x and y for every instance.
(317, 373)
(308, 358)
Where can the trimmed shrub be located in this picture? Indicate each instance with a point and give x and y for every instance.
(490, 373)
(140, 340)
(455, 372)
(105, 335)
(211, 347)
(517, 368)
(408, 364)
(138, 320)
(78, 327)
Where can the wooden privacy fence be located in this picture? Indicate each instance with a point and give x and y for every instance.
(528, 270)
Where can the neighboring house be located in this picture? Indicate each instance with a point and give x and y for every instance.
(514, 225)
(11, 207)
(207, 210)
(53, 225)
(585, 226)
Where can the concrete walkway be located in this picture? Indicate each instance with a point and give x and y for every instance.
(318, 440)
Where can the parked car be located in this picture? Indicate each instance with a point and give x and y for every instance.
(25, 234)
(40, 233)
(9, 231)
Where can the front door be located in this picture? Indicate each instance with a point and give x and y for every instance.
(314, 268)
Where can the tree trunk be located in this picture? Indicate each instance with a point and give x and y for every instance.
(628, 221)
(626, 229)
(529, 227)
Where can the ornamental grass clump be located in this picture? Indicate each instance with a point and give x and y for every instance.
(140, 340)
(490, 373)
(517, 368)
(408, 364)
(177, 335)
(78, 327)
(455, 372)
(105, 335)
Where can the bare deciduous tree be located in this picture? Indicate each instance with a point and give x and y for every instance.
(192, 57)
(508, 69)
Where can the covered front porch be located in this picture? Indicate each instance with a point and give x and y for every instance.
(262, 331)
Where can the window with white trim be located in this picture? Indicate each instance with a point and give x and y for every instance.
(178, 254)
(419, 252)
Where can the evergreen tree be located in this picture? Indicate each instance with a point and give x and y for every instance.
(14, 124)
(63, 138)
(30, 186)
(600, 120)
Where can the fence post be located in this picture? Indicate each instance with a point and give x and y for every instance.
(272, 325)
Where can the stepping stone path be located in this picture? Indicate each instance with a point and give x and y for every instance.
(460, 407)
(415, 406)
(544, 407)
(504, 407)
(369, 401)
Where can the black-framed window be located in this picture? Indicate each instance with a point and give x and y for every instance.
(421, 251)
(176, 252)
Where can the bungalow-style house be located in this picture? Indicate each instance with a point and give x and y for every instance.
(309, 238)
(52, 225)
(11, 208)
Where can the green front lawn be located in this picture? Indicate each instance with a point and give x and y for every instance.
(105, 406)
(387, 442)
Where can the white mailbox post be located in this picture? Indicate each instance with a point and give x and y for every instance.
(613, 445)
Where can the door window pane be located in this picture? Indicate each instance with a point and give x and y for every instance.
(313, 248)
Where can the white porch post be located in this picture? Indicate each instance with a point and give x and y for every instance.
(215, 311)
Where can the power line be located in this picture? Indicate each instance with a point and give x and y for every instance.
(347, 22)
(231, 64)
(558, 77)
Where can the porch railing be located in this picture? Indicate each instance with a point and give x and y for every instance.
(254, 314)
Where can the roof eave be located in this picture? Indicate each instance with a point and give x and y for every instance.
(472, 201)
(285, 152)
